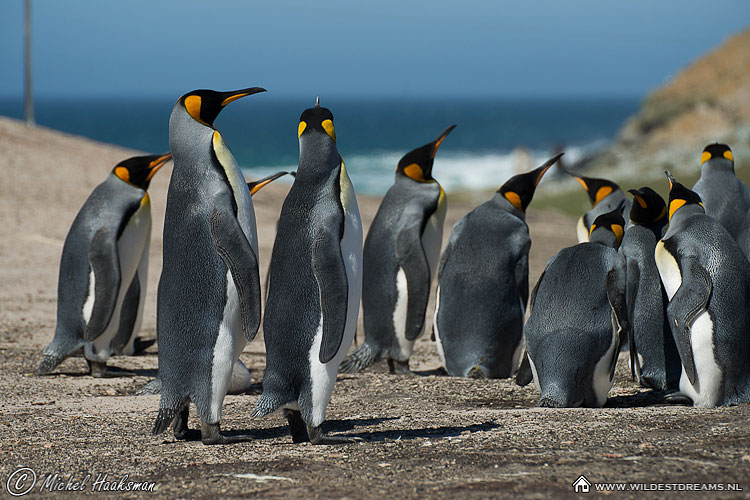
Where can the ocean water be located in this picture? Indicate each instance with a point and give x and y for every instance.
(493, 138)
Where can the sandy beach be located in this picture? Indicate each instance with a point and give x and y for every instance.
(428, 436)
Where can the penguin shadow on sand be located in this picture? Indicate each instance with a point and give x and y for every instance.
(427, 432)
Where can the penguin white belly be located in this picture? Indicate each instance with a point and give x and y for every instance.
(438, 341)
(581, 231)
(323, 375)
(603, 375)
(669, 270)
(534, 374)
(401, 350)
(133, 239)
(230, 342)
(707, 389)
(142, 274)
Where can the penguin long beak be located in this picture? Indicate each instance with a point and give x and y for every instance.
(238, 94)
(543, 169)
(670, 178)
(437, 142)
(257, 185)
(155, 165)
(638, 197)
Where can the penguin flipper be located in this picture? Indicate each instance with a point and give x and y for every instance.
(232, 246)
(330, 273)
(128, 315)
(633, 274)
(689, 302)
(616, 293)
(522, 276)
(105, 264)
(412, 259)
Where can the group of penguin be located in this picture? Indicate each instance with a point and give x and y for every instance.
(676, 291)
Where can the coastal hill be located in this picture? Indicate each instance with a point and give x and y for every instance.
(708, 101)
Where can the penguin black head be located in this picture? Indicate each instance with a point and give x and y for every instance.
(680, 196)
(139, 170)
(205, 105)
(417, 163)
(597, 189)
(519, 189)
(717, 150)
(648, 206)
(316, 119)
(609, 228)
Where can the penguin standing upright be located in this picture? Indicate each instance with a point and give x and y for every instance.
(315, 284)
(579, 319)
(208, 305)
(658, 358)
(707, 279)
(101, 288)
(605, 196)
(483, 283)
(401, 255)
(725, 197)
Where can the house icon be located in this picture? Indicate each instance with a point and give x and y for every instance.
(582, 485)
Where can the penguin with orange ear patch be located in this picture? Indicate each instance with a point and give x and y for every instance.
(605, 196)
(102, 283)
(483, 283)
(579, 319)
(401, 254)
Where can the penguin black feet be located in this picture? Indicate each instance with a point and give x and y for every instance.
(101, 370)
(677, 398)
(180, 427)
(399, 367)
(140, 345)
(302, 432)
(211, 434)
(49, 362)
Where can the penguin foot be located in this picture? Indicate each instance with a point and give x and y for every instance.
(317, 437)
(477, 372)
(140, 345)
(297, 426)
(211, 434)
(677, 398)
(180, 427)
(101, 370)
(49, 362)
(399, 367)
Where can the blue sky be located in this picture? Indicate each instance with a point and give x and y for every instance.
(471, 48)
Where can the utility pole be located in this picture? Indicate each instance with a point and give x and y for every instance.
(28, 99)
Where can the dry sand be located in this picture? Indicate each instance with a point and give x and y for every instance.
(428, 436)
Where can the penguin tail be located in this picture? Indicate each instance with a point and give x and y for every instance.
(163, 420)
(548, 402)
(477, 371)
(153, 387)
(49, 363)
(358, 360)
(265, 406)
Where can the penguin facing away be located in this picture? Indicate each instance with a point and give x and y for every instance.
(208, 304)
(103, 270)
(659, 361)
(707, 279)
(725, 197)
(315, 284)
(604, 195)
(483, 283)
(401, 255)
(240, 381)
(579, 319)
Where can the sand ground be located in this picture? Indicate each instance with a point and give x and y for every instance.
(425, 436)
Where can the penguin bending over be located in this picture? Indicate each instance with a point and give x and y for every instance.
(240, 381)
(315, 284)
(707, 279)
(725, 197)
(101, 288)
(401, 255)
(579, 319)
(605, 196)
(208, 305)
(483, 283)
(657, 354)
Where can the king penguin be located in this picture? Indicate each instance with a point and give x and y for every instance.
(605, 195)
(659, 361)
(401, 256)
(101, 288)
(314, 286)
(579, 319)
(208, 305)
(725, 197)
(483, 283)
(707, 279)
